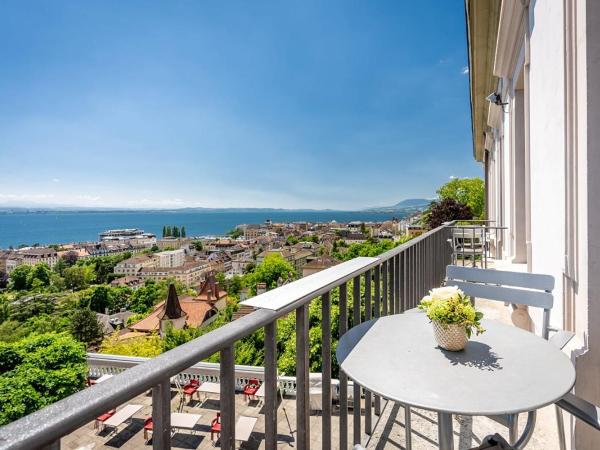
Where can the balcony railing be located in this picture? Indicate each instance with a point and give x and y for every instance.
(393, 282)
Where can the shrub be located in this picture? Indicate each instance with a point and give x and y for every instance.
(37, 371)
(446, 210)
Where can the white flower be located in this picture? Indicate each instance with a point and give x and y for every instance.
(445, 293)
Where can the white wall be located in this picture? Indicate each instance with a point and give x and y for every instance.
(546, 81)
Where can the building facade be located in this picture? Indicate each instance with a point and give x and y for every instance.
(35, 255)
(538, 139)
(172, 258)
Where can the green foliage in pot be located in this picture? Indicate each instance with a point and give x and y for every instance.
(450, 306)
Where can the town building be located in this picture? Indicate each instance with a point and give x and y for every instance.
(133, 265)
(190, 273)
(317, 264)
(34, 255)
(172, 258)
(178, 313)
(173, 243)
(129, 281)
(212, 293)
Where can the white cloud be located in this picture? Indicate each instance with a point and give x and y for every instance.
(56, 180)
(88, 198)
(465, 70)
(453, 177)
(26, 197)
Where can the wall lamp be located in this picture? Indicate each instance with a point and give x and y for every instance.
(496, 99)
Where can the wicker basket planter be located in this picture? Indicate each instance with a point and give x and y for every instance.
(450, 337)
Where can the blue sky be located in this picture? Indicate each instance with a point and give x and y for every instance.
(294, 104)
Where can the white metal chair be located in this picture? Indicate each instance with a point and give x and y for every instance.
(521, 288)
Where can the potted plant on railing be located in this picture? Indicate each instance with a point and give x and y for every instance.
(453, 316)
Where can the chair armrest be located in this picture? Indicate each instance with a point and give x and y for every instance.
(561, 338)
(581, 409)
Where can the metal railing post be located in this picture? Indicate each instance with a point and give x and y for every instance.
(368, 396)
(326, 370)
(392, 286)
(161, 415)
(384, 299)
(302, 363)
(356, 409)
(343, 324)
(377, 281)
(271, 386)
(397, 298)
(227, 398)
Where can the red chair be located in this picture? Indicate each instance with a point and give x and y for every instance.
(99, 423)
(148, 428)
(189, 390)
(215, 427)
(251, 389)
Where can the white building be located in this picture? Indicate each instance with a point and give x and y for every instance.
(171, 258)
(34, 255)
(539, 143)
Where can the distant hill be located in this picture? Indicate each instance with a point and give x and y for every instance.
(407, 206)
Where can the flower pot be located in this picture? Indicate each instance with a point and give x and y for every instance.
(450, 337)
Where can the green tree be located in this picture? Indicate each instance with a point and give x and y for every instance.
(183, 232)
(38, 371)
(60, 266)
(273, 268)
(164, 231)
(168, 232)
(97, 298)
(79, 277)
(145, 297)
(292, 240)
(235, 233)
(85, 327)
(19, 277)
(147, 346)
(39, 276)
(175, 231)
(197, 246)
(468, 191)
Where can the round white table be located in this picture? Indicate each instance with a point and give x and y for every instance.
(505, 370)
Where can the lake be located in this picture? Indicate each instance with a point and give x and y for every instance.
(61, 227)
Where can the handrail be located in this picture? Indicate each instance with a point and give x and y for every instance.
(402, 247)
(46, 426)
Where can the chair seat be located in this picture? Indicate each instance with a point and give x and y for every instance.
(104, 417)
(250, 390)
(189, 390)
(148, 424)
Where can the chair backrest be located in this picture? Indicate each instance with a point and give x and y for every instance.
(521, 288)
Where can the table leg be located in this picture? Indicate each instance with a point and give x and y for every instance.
(445, 435)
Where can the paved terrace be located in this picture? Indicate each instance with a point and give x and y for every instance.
(389, 432)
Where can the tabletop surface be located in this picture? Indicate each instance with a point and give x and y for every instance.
(244, 427)
(184, 420)
(122, 415)
(104, 378)
(210, 387)
(504, 370)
